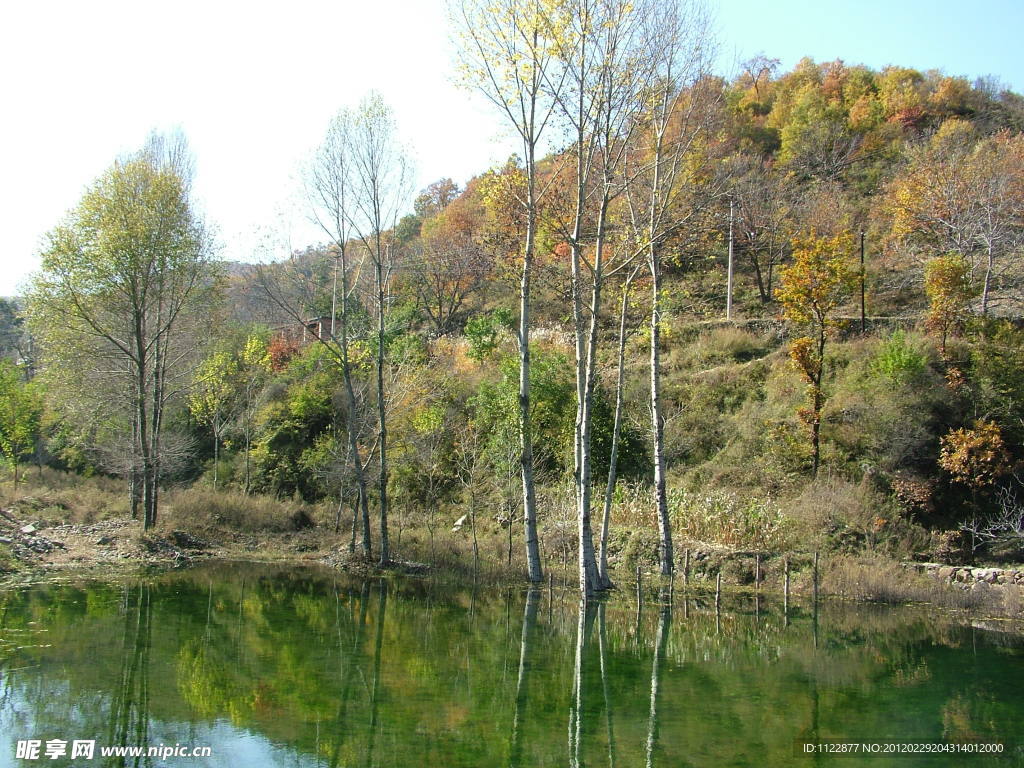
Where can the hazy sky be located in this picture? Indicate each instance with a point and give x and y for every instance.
(253, 85)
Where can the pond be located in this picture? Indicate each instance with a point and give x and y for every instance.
(286, 666)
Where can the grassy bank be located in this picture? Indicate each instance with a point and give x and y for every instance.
(749, 544)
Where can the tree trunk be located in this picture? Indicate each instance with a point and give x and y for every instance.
(818, 403)
(585, 359)
(609, 490)
(762, 289)
(248, 440)
(350, 398)
(216, 456)
(657, 421)
(382, 433)
(986, 287)
(533, 567)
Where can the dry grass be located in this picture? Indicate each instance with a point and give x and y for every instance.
(203, 509)
(52, 496)
(881, 580)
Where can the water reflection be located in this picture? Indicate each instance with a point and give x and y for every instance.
(129, 712)
(300, 667)
(523, 678)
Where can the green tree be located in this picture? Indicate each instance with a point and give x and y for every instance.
(813, 287)
(214, 397)
(122, 275)
(21, 409)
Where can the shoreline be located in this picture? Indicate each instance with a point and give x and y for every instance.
(117, 547)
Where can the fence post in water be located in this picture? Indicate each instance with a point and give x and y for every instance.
(815, 577)
(686, 568)
(785, 588)
(639, 603)
(718, 590)
(757, 571)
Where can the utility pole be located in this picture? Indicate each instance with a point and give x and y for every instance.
(728, 288)
(863, 275)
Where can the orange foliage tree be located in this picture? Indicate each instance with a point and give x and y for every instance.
(813, 287)
(975, 457)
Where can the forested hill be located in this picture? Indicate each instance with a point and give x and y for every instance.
(790, 419)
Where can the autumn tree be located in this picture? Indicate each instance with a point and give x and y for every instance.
(975, 457)
(254, 368)
(212, 399)
(947, 284)
(813, 287)
(225, 388)
(122, 274)
(964, 194)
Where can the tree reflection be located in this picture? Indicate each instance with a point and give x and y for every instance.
(585, 622)
(350, 662)
(660, 642)
(602, 638)
(129, 712)
(523, 680)
(375, 690)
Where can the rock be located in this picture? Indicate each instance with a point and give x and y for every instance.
(986, 574)
(28, 530)
(459, 523)
(102, 541)
(980, 586)
(945, 572)
(186, 541)
(5, 540)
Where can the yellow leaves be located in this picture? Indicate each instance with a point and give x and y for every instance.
(975, 457)
(804, 359)
(818, 280)
(947, 283)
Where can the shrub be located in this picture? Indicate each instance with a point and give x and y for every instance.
(898, 361)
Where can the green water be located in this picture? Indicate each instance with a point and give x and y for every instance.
(302, 667)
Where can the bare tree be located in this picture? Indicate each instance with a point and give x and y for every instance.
(328, 189)
(667, 194)
(380, 182)
(764, 202)
(444, 271)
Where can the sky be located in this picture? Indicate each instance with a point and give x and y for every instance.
(253, 85)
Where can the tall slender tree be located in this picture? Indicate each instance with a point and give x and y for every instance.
(670, 186)
(329, 191)
(605, 65)
(380, 182)
(510, 56)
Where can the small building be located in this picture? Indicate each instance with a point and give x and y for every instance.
(322, 327)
